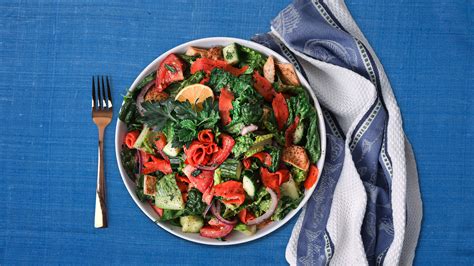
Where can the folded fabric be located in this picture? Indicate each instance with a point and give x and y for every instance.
(366, 208)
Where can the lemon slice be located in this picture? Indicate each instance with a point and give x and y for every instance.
(196, 94)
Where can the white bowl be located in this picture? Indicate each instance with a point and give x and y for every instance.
(235, 237)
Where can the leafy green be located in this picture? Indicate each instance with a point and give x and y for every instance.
(194, 204)
(129, 162)
(188, 58)
(285, 205)
(171, 214)
(270, 124)
(312, 140)
(139, 190)
(242, 144)
(298, 175)
(298, 105)
(252, 58)
(219, 79)
(261, 202)
(275, 153)
(185, 119)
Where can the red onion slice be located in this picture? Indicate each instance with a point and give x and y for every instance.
(216, 210)
(206, 167)
(141, 96)
(247, 129)
(269, 213)
(207, 209)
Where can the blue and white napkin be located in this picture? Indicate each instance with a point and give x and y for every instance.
(367, 207)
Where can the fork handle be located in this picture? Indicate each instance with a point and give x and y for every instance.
(100, 220)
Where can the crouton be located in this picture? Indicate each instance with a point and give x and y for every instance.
(194, 51)
(214, 53)
(269, 69)
(288, 74)
(296, 156)
(155, 95)
(149, 185)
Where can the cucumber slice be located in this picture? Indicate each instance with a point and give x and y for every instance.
(217, 176)
(191, 223)
(298, 133)
(249, 186)
(231, 168)
(231, 54)
(290, 189)
(167, 194)
(170, 151)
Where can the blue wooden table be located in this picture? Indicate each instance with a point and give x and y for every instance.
(50, 49)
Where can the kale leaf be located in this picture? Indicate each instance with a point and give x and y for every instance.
(252, 58)
(285, 205)
(242, 144)
(129, 162)
(312, 139)
(194, 204)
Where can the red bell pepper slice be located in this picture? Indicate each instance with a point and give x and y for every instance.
(280, 109)
(263, 87)
(290, 132)
(225, 105)
(312, 177)
(232, 191)
(169, 71)
(207, 65)
(196, 154)
(221, 155)
(160, 141)
(131, 138)
(216, 229)
(157, 165)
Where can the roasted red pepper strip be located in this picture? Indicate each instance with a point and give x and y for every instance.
(206, 137)
(160, 141)
(245, 216)
(263, 157)
(280, 109)
(221, 155)
(157, 165)
(131, 138)
(312, 177)
(274, 180)
(206, 65)
(232, 192)
(290, 132)
(247, 163)
(263, 87)
(196, 154)
(225, 105)
(203, 181)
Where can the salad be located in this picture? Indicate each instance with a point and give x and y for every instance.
(220, 140)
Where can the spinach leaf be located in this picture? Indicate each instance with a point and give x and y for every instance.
(128, 112)
(129, 162)
(194, 205)
(188, 58)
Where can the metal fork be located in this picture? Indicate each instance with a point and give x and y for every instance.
(101, 115)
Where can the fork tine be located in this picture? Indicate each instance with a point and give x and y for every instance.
(104, 95)
(93, 94)
(99, 99)
(109, 95)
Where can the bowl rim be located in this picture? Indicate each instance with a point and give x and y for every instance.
(146, 209)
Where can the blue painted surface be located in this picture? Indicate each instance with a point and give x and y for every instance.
(50, 49)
